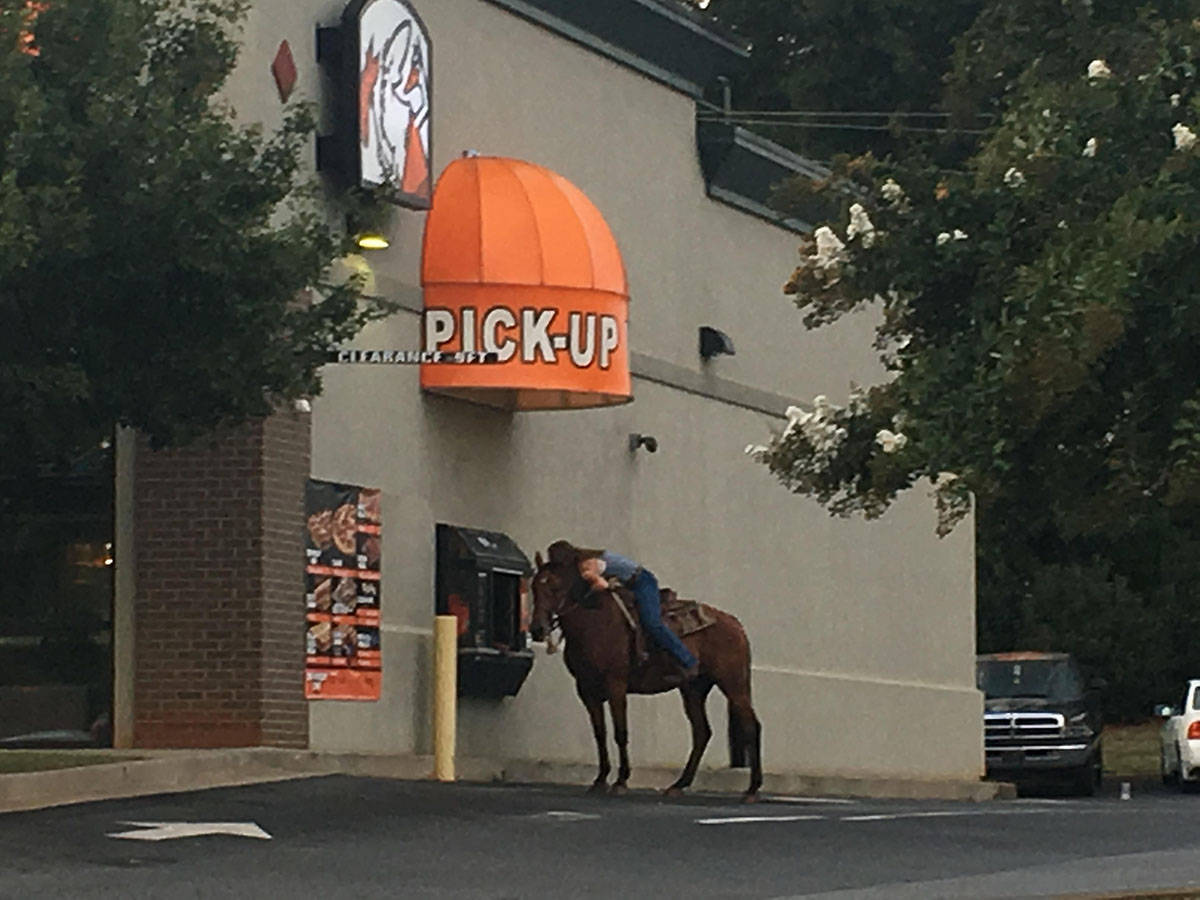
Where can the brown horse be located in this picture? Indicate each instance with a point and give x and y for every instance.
(600, 654)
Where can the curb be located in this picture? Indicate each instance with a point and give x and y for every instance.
(168, 772)
(155, 773)
(733, 781)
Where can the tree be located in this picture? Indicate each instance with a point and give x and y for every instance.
(1038, 318)
(846, 57)
(161, 266)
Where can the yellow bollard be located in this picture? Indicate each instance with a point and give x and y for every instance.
(445, 695)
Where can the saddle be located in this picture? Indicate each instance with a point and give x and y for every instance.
(683, 617)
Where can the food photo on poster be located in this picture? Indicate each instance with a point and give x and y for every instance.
(343, 558)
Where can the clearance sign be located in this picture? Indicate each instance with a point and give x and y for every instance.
(518, 263)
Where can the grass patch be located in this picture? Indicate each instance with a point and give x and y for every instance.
(1132, 750)
(13, 761)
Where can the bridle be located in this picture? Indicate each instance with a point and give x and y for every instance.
(562, 598)
(566, 602)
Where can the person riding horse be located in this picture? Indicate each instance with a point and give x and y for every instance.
(594, 565)
(599, 655)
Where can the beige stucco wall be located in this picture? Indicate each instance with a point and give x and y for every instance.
(862, 633)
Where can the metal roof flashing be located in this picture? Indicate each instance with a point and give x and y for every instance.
(662, 39)
(742, 169)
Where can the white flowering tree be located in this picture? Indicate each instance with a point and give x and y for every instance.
(1039, 303)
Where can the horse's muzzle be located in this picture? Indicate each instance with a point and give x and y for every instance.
(537, 632)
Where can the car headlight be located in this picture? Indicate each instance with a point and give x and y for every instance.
(1077, 726)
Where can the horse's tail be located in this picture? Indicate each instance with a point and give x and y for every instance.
(737, 742)
(738, 739)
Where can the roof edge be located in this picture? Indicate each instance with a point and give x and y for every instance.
(662, 39)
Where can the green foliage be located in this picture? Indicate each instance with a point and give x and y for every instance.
(862, 55)
(1037, 306)
(161, 265)
(1038, 318)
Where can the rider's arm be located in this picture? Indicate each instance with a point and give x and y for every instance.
(592, 569)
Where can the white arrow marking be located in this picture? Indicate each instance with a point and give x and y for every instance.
(169, 831)
(742, 820)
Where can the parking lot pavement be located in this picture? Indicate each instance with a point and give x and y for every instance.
(357, 837)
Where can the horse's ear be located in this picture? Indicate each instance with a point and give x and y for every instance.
(537, 559)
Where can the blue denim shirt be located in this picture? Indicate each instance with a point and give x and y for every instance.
(618, 566)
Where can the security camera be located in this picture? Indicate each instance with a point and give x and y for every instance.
(714, 343)
(643, 440)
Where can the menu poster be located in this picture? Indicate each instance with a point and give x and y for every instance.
(342, 566)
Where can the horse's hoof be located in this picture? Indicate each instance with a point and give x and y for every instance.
(618, 790)
(750, 798)
(598, 788)
(673, 791)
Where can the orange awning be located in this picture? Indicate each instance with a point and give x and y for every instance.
(518, 261)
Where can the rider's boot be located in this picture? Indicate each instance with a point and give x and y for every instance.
(677, 675)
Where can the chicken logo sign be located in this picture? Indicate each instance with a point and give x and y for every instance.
(394, 101)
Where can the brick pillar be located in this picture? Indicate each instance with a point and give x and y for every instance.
(219, 604)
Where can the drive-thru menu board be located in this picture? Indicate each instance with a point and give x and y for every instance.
(342, 582)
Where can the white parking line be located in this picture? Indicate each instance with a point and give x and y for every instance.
(873, 817)
(566, 815)
(743, 820)
(887, 817)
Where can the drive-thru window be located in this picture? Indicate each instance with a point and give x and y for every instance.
(482, 580)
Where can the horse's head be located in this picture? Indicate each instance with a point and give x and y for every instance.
(549, 595)
(554, 580)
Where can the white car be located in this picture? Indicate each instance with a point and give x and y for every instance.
(1180, 738)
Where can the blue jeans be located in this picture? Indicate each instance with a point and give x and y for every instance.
(649, 606)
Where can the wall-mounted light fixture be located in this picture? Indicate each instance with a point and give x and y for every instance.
(371, 240)
(368, 221)
(643, 440)
(714, 343)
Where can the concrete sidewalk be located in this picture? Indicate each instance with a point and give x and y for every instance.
(173, 771)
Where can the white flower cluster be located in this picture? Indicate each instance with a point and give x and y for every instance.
(1185, 138)
(1014, 177)
(818, 427)
(946, 237)
(860, 226)
(891, 441)
(1090, 148)
(1175, 98)
(1098, 69)
(830, 249)
(891, 192)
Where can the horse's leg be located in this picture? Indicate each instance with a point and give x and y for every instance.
(751, 733)
(595, 708)
(695, 696)
(616, 703)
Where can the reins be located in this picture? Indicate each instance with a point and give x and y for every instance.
(612, 592)
(568, 604)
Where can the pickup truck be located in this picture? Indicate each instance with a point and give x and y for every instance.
(1041, 720)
